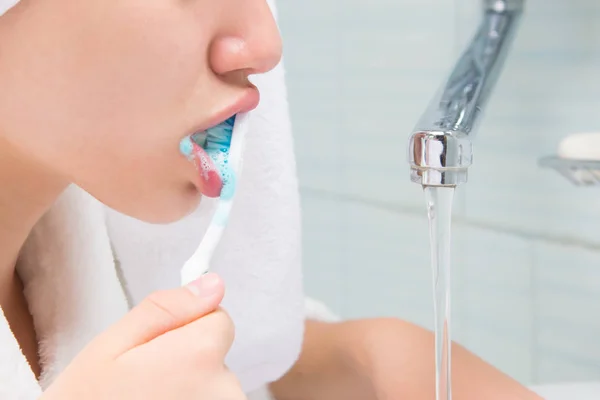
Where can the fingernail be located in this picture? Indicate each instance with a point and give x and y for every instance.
(206, 285)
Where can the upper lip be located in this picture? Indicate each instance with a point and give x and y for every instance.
(247, 101)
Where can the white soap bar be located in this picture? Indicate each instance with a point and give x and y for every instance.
(581, 146)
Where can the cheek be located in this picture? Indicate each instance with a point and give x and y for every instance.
(118, 85)
(146, 61)
(156, 188)
(118, 65)
(107, 107)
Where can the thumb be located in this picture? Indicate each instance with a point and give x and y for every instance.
(161, 312)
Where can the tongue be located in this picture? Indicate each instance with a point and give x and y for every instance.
(210, 178)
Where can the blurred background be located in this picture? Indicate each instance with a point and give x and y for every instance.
(526, 244)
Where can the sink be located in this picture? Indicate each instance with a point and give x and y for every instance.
(569, 391)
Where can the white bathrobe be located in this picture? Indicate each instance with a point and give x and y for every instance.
(84, 265)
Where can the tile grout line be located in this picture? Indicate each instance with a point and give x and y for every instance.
(458, 220)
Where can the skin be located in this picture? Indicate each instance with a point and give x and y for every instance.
(386, 359)
(180, 333)
(100, 93)
(107, 108)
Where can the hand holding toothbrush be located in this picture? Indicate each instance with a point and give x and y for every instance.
(171, 346)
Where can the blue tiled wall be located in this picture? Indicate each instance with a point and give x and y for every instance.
(526, 243)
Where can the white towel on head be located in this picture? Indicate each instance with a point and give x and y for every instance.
(5, 5)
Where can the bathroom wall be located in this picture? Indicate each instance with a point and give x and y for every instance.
(526, 276)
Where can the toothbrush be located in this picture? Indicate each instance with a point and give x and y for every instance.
(225, 150)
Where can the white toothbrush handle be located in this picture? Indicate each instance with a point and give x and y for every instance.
(199, 262)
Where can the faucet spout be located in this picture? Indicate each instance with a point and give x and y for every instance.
(440, 148)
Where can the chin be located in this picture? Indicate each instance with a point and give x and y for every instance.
(166, 209)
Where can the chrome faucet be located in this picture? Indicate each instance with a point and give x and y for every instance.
(440, 148)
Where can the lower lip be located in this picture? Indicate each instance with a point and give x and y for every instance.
(208, 180)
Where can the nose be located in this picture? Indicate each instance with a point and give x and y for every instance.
(252, 43)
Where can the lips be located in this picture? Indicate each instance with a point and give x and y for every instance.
(208, 146)
(211, 183)
(246, 102)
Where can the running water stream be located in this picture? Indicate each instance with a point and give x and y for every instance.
(439, 212)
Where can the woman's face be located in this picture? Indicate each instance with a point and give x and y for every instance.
(102, 91)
